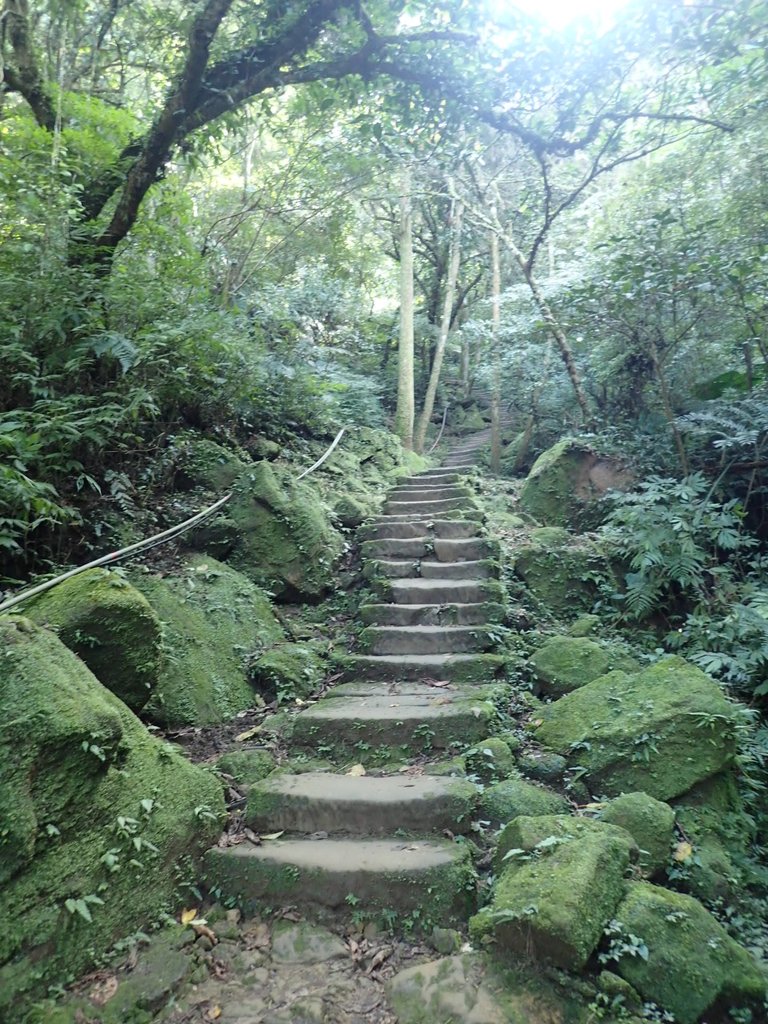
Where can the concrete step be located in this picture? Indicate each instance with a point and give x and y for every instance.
(396, 874)
(443, 550)
(462, 465)
(425, 639)
(397, 547)
(369, 805)
(432, 591)
(458, 668)
(345, 726)
(471, 570)
(430, 507)
(459, 549)
(391, 568)
(431, 614)
(439, 478)
(406, 528)
(427, 493)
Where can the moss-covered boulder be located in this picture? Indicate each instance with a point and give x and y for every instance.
(560, 883)
(565, 663)
(350, 511)
(99, 821)
(500, 803)
(214, 620)
(288, 671)
(566, 483)
(204, 463)
(285, 541)
(247, 766)
(111, 626)
(651, 824)
(661, 731)
(719, 833)
(561, 571)
(693, 965)
(490, 760)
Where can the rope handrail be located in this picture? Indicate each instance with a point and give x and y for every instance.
(148, 542)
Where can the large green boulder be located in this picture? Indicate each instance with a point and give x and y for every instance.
(566, 483)
(205, 464)
(560, 883)
(511, 798)
(651, 824)
(692, 964)
(561, 571)
(565, 663)
(284, 538)
(289, 671)
(97, 817)
(215, 620)
(111, 626)
(661, 731)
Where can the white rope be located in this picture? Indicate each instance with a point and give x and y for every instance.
(158, 538)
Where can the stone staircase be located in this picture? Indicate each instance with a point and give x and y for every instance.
(423, 683)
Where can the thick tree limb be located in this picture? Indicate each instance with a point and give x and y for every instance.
(25, 78)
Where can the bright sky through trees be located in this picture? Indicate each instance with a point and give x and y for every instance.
(560, 13)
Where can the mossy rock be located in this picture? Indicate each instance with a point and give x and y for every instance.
(584, 625)
(208, 465)
(511, 798)
(557, 890)
(288, 672)
(566, 663)
(110, 625)
(351, 512)
(490, 760)
(650, 822)
(566, 483)
(95, 814)
(661, 731)
(214, 620)
(285, 540)
(693, 965)
(247, 766)
(720, 840)
(561, 571)
(542, 765)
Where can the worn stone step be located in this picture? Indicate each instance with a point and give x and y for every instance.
(368, 805)
(463, 465)
(469, 570)
(425, 639)
(391, 568)
(438, 471)
(450, 529)
(428, 507)
(432, 614)
(428, 493)
(440, 549)
(438, 477)
(334, 875)
(456, 549)
(459, 668)
(347, 726)
(432, 591)
(394, 547)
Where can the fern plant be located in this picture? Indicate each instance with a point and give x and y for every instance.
(675, 539)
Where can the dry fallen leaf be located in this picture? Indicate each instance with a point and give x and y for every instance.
(248, 734)
(274, 835)
(201, 928)
(383, 954)
(103, 992)
(357, 770)
(188, 916)
(682, 852)
(214, 1013)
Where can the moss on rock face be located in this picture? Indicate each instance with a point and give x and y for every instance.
(561, 571)
(285, 541)
(247, 766)
(557, 891)
(511, 798)
(94, 816)
(214, 618)
(490, 760)
(693, 964)
(566, 483)
(650, 822)
(288, 671)
(566, 663)
(661, 731)
(206, 464)
(110, 626)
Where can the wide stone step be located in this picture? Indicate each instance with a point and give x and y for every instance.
(408, 528)
(470, 570)
(432, 591)
(459, 465)
(440, 471)
(347, 726)
(394, 547)
(392, 569)
(425, 639)
(441, 549)
(426, 493)
(323, 802)
(437, 478)
(333, 875)
(432, 614)
(449, 549)
(459, 668)
(428, 507)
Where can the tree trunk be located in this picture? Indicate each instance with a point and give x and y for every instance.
(666, 401)
(454, 258)
(404, 414)
(495, 361)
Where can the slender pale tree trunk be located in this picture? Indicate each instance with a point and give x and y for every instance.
(495, 356)
(666, 402)
(454, 259)
(465, 356)
(405, 412)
